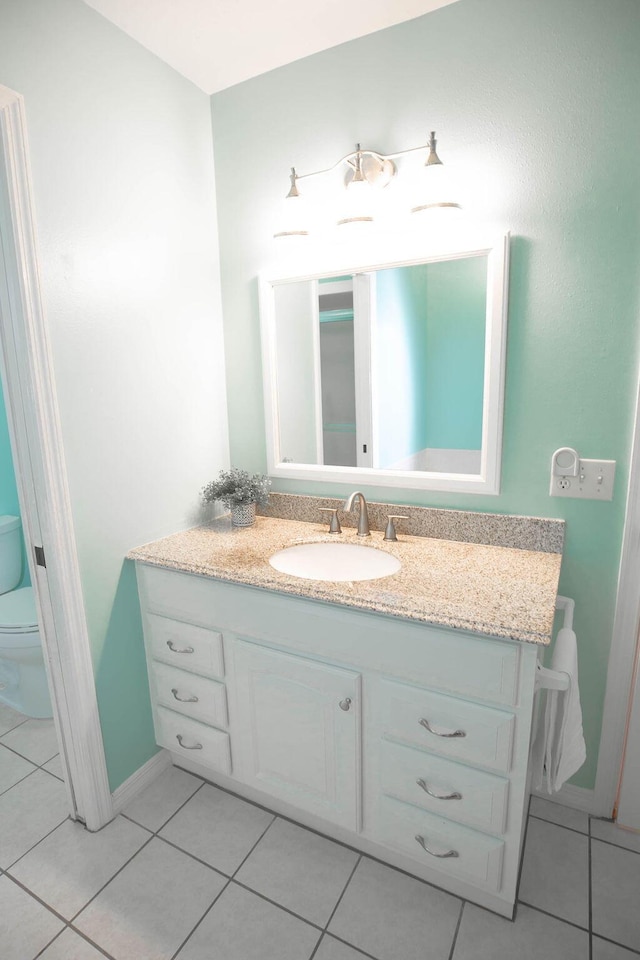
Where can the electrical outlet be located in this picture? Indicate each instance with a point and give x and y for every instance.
(593, 482)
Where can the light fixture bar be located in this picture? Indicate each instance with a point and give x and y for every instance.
(370, 168)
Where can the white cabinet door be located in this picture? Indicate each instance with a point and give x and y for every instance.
(297, 731)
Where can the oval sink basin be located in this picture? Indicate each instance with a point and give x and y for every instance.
(334, 561)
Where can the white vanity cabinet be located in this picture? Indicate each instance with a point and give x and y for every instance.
(405, 740)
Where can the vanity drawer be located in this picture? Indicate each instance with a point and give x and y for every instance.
(461, 793)
(440, 844)
(193, 739)
(456, 728)
(187, 693)
(185, 645)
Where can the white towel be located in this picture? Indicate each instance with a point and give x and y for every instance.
(560, 750)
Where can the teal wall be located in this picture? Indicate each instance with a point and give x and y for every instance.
(8, 491)
(536, 106)
(122, 160)
(430, 322)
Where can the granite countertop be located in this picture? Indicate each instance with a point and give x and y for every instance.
(496, 591)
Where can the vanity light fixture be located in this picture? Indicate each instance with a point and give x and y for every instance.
(366, 171)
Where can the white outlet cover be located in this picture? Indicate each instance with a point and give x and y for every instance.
(593, 482)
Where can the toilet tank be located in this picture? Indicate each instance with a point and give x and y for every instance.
(10, 553)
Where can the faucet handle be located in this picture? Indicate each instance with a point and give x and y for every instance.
(390, 529)
(334, 523)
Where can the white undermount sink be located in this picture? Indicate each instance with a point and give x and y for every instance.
(334, 561)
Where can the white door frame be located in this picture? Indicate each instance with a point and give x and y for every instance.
(623, 644)
(36, 441)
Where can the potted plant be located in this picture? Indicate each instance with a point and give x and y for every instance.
(239, 491)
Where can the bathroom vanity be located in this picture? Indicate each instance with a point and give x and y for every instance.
(391, 714)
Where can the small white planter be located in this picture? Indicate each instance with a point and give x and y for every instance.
(243, 514)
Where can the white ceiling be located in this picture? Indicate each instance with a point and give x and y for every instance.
(216, 43)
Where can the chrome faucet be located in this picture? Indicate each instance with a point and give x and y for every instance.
(363, 519)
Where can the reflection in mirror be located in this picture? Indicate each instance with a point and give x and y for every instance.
(390, 374)
(384, 368)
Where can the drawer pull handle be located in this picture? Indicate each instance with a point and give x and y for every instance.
(345, 704)
(184, 746)
(438, 796)
(174, 691)
(454, 733)
(441, 856)
(175, 649)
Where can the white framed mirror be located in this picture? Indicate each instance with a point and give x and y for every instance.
(389, 373)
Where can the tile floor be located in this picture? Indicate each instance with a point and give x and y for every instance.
(193, 873)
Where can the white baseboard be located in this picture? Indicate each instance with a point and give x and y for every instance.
(140, 780)
(580, 798)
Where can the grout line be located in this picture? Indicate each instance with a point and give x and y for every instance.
(25, 757)
(228, 879)
(192, 856)
(624, 946)
(244, 860)
(455, 935)
(357, 949)
(78, 933)
(112, 877)
(93, 943)
(581, 833)
(344, 890)
(317, 946)
(34, 896)
(523, 850)
(570, 923)
(205, 914)
(610, 843)
(33, 846)
(2, 793)
(281, 906)
(175, 812)
(15, 727)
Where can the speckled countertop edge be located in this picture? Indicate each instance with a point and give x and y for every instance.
(496, 591)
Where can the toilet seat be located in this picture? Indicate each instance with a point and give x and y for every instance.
(18, 612)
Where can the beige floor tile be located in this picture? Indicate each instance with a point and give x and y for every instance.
(153, 807)
(242, 926)
(28, 812)
(300, 870)
(150, 907)
(26, 926)
(555, 872)
(392, 916)
(71, 865)
(532, 936)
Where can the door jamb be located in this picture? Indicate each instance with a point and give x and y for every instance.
(42, 483)
(623, 644)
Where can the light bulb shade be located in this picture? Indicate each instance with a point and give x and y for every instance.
(294, 220)
(435, 189)
(358, 207)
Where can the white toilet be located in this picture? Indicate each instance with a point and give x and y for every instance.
(23, 681)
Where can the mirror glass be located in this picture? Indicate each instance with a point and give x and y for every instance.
(394, 371)
(388, 367)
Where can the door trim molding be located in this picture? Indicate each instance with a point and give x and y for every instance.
(624, 642)
(42, 482)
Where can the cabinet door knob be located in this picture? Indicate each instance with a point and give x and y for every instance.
(345, 704)
(438, 796)
(174, 691)
(184, 746)
(175, 649)
(454, 733)
(432, 853)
